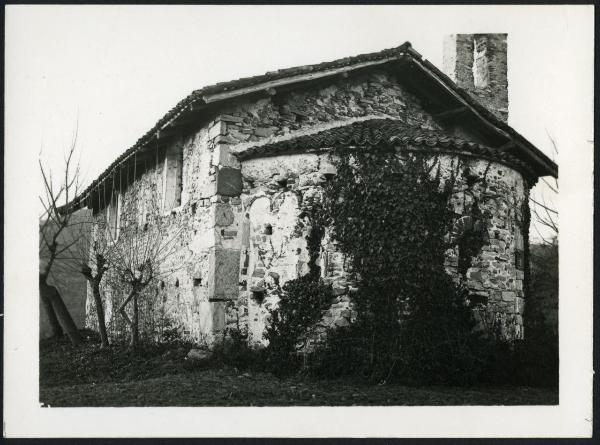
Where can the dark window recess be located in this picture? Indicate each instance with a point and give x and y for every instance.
(268, 229)
(258, 296)
(177, 282)
(520, 260)
(282, 183)
(145, 227)
(197, 282)
(113, 215)
(173, 179)
(194, 205)
(162, 284)
(478, 299)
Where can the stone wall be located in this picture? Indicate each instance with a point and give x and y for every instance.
(496, 275)
(274, 187)
(335, 102)
(242, 236)
(182, 297)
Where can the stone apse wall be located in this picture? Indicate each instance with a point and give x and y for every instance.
(242, 234)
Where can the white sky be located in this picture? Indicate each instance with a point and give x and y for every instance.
(117, 69)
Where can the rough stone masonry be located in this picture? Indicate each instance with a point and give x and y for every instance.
(230, 166)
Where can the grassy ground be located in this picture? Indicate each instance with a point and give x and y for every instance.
(159, 376)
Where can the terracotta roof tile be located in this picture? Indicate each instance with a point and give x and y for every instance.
(382, 132)
(404, 49)
(197, 95)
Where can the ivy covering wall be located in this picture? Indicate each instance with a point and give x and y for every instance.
(390, 216)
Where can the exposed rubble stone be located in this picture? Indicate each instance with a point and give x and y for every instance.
(243, 235)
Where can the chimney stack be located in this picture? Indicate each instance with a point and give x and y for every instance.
(478, 64)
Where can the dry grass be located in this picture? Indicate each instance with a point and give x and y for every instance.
(159, 376)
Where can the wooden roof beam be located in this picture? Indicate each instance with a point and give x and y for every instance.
(506, 147)
(209, 98)
(451, 113)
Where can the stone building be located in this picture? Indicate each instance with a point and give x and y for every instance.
(229, 165)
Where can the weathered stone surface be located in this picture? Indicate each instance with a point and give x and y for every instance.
(508, 296)
(264, 131)
(224, 269)
(219, 128)
(229, 118)
(197, 354)
(268, 190)
(229, 181)
(223, 215)
(340, 322)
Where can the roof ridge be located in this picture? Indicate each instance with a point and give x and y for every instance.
(284, 72)
(405, 48)
(240, 83)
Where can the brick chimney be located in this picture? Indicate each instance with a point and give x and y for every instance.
(477, 63)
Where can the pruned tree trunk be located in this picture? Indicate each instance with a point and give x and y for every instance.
(55, 328)
(104, 343)
(133, 321)
(135, 328)
(60, 309)
(94, 281)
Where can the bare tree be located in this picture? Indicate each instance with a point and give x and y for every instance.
(55, 220)
(93, 270)
(544, 211)
(139, 256)
(89, 257)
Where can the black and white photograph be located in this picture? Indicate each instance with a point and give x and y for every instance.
(321, 221)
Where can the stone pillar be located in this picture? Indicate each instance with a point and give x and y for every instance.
(224, 256)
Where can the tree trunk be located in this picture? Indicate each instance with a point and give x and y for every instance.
(52, 294)
(55, 328)
(135, 329)
(100, 314)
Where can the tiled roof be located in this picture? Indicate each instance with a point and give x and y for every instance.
(403, 50)
(387, 132)
(305, 69)
(198, 95)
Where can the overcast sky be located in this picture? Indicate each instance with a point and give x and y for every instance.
(117, 69)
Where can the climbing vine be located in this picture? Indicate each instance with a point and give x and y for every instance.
(390, 215)
(302, 301)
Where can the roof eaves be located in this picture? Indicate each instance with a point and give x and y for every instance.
(381, 131)
(548, 167)
(247, 85)
(226, 90)
(229, 94)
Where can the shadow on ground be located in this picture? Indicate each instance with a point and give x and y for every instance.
(159, 375)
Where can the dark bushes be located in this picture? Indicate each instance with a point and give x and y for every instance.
(391, 218)
(301, 305)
